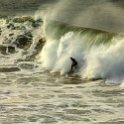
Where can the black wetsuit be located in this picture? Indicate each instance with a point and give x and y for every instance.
(74, 64)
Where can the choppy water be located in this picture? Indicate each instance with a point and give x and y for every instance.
(31, 96)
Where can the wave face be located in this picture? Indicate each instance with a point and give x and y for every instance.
(98, 53)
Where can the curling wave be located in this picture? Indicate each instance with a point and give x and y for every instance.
(98, 53)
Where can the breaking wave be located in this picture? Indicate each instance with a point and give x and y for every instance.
(99, 54)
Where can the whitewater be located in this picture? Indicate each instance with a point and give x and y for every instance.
(37, 85)
(98, 53)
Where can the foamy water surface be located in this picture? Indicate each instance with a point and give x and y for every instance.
(31, 96)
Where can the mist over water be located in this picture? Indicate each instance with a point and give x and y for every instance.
(103, 15)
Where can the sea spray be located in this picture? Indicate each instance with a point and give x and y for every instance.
(68, 47)
(56, 54)
(48, 55)
(98, 53)
(122, 85)
(88, 14)
(105, 61)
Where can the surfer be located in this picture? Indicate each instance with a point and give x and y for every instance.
(74, 64)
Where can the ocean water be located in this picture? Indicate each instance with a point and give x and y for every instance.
(37, 39)
(36, 97)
